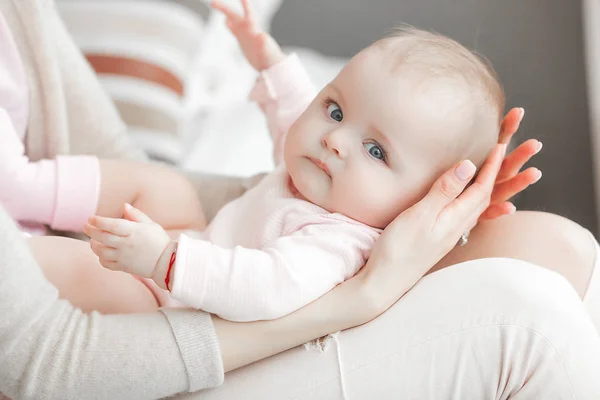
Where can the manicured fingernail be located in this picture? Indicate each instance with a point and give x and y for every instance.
(465, 170)
(503, 148)
(537, 175)
(522, 112)
(539, 146)
(512, 209)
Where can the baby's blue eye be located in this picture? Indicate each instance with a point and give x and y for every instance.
(375, 151)
(335, 112)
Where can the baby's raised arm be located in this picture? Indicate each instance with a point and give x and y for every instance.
(260, 49)
(283, 89)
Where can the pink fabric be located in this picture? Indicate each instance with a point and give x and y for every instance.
(283, 92)
(268, 253)
(61, 193)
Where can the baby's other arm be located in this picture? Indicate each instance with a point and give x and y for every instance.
(241, 284)
(133, 245)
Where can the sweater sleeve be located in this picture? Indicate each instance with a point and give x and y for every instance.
(283, 92)
(241, 284)
(49, 349)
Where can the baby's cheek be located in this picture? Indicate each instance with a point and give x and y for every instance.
(371, 205)
(387, 204)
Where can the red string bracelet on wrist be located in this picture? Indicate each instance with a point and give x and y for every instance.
(171, 263)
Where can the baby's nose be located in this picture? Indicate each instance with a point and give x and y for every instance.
(335, 143)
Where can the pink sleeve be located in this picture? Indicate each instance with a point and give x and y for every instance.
(283, 92)
(62, 192)
(242, 284)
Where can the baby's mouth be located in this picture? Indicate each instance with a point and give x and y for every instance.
(321, 165)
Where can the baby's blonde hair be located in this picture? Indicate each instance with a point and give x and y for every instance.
(473, 80)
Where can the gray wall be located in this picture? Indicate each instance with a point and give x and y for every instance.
(536, 47)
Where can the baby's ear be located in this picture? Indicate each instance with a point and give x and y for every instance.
(133, 214)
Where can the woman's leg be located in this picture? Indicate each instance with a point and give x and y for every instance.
(591, 298)
(543, 239)
(72, 267)
(485, 329)
(161, 192)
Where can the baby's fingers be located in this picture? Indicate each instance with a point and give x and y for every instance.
(103, 252)
(101, 236)
(116, 226)
(133, 214)
(231, 15)
(112, 265)
(248, 10)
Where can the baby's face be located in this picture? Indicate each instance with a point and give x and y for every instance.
(371, 143)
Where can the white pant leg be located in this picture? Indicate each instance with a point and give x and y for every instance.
(591, 299)
(485, 329)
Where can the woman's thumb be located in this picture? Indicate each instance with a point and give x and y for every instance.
(133, 214)
(450, 185)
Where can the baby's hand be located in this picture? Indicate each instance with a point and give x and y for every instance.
(133, 245)
(261, 50)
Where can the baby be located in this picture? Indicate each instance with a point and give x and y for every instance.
(349, 160)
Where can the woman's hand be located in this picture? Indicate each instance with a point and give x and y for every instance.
(409, 247)
(423, 234)
(260, 49)
(510, 181)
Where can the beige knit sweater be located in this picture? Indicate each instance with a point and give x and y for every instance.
(48, 349)
(69, 111)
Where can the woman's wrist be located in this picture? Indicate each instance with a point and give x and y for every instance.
(339, 309)
(354, 302)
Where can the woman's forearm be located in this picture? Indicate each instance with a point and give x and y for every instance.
(245, 343)
(352, 303)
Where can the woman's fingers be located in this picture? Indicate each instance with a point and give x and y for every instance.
(510, 124)
(506, 190)
(491, 166)
(467, 208)
(520, 156)
(448, 187)
(498, 210)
